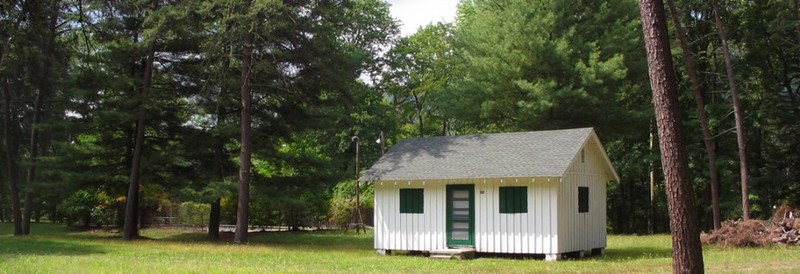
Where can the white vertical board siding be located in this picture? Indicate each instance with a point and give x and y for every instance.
(552, 224)
(583, 231)
(421, 232)
(532, 233)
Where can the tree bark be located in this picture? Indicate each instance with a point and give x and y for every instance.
(243, 205)
(653, 177)
(34, 152)
(2, 199)
(711, 150)
(687, 256)
(420, 119)
(11, 164)
(796, 13)
(131, 229)
(214, 218)
(45, 88)
(737, 111)
(219, 155)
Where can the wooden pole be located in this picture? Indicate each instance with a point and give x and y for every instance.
(360, 223)
(383, 144)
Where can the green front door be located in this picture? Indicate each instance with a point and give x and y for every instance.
(460, 215)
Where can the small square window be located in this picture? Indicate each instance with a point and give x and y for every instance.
(583, 199)
(514, 199)
(411, 200)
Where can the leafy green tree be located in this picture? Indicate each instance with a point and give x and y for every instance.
(86, 206)
(423, 69)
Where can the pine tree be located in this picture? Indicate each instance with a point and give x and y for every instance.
(687, 256)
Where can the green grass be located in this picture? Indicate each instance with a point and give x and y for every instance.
(53, 248)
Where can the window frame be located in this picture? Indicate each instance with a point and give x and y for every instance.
(583, 199)
(513, 199)
(412, 201)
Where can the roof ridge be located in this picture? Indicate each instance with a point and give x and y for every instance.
(504, 133)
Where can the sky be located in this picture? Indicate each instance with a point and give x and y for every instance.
(413, 14)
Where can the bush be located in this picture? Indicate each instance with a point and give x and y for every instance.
(88, 205)
(193, 214)
(343, 202)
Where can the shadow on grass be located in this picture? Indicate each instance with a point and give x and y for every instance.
(633, 253)
(334, 239)
(30, 246)
(340, 240)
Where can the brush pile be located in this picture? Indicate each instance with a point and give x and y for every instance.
(783, 228)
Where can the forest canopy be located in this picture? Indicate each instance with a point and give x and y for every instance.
(99, 96)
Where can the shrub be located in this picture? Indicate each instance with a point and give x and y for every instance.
(87, 205)
(343, 202)
(193, 214)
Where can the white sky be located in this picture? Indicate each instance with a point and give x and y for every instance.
(413, 14)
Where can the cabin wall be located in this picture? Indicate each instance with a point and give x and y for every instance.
(583, 231)
(534, 232)
(420, 232)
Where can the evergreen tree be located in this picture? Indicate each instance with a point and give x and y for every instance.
(687, 256)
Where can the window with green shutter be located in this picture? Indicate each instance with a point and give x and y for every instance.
(583, 199)
(513, 199)
(411, 200)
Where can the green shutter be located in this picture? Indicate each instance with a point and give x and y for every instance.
(514, 199)
(411, 200)
(583, 199)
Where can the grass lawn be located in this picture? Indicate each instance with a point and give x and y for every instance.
(55, 249)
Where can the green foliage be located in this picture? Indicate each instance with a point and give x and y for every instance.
(193, 214)
(343, 202)
(423, 69)
(326, 71)
(87, 206)
(551, 64)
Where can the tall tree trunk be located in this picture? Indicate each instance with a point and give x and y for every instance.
(131, 229)
(214, 219)
(219, 160)
(34, 152)
(2, 199)
(45, 88)
(711, 151)
(796, 13)
(653, 176)
(243, 206)
(420, 119)
(737, 111)
(11, 165)
(687, 256)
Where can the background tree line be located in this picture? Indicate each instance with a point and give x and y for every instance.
(108, 103)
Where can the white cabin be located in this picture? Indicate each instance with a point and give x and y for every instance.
(540, 192)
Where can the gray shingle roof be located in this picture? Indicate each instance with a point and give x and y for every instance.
(505, 155)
